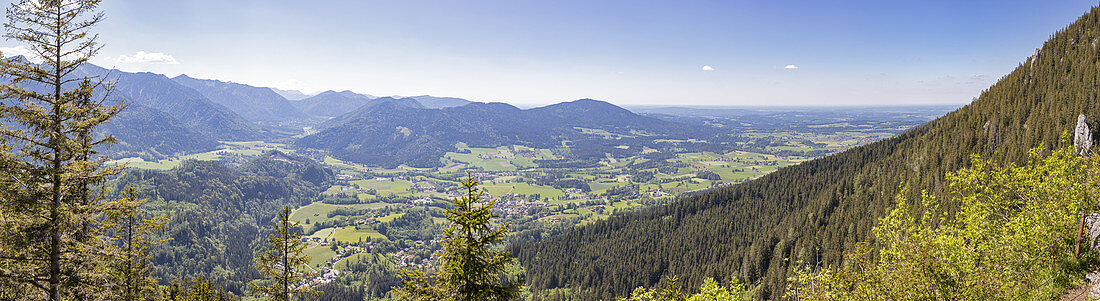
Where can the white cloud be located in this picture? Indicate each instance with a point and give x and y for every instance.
(790, 67)
(158, 58)
(17, 51)
(708, 68)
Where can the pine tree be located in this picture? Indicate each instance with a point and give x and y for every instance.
(198, 289)
(132, 268)
(284, 265)
(48, 237)
(470, 268)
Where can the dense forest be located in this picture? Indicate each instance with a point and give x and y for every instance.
(816, 211)
(218, 212)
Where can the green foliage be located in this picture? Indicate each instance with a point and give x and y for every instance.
(469, 268)
(284, 266)
(219, 209)
(132, 269)
(150, 134)
(1013, 238)
(709, 291)
(49, 221)
(197, 289)
(709, 175)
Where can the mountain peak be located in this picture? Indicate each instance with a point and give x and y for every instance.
(586, 105)
(255, 104)
(440, 102)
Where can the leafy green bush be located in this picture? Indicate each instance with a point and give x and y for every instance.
(1013, 238)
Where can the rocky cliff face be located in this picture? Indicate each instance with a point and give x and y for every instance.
(1082, 137)
(1092, 226)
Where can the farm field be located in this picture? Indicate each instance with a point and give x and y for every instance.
(351, 234)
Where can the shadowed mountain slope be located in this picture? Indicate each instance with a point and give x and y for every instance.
(257, 104)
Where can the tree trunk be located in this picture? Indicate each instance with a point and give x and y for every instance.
(1080, 232)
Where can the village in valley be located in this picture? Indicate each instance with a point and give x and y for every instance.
(374, 218)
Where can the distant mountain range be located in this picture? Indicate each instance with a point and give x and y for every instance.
(392, 131)
(369, 106)
(173, 116)
(291, 94)
(255, 104)
(190, 107)
(332, 103)
(182, 115)
(433, 102)
(152, 134)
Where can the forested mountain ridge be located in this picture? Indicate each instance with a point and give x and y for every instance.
(813, 212)
(435, 102)
(151, 134)
(185, 104)
(255, 104)
(163, 118)
(218, 212)
(332, 103)
(368, 107)
(394, 132)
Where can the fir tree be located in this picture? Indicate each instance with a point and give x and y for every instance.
(48, 237)
(133, 267)
(470, 268)
(198, 289)
(284, 266)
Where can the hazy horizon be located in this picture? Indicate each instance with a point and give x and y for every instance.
(626, 53)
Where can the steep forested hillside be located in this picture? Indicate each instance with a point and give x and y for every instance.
(151, 134)
(368, 107)
(185, 104)
(391, 133)
(217, 212)
(814, 211)
(253, 103)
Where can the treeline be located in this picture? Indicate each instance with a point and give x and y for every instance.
(816, 211)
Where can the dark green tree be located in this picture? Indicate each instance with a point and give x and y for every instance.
(49, 246)
(285, 266)
(198, 289)
(469, 267)
(132, 268)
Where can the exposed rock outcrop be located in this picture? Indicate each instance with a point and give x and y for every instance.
(1092, 226)
(1082, 137)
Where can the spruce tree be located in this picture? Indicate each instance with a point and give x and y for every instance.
(469, 267)
(49, 247)
(284, 266)
(133, 268)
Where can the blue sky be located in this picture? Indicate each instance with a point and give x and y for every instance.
(626, 52)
